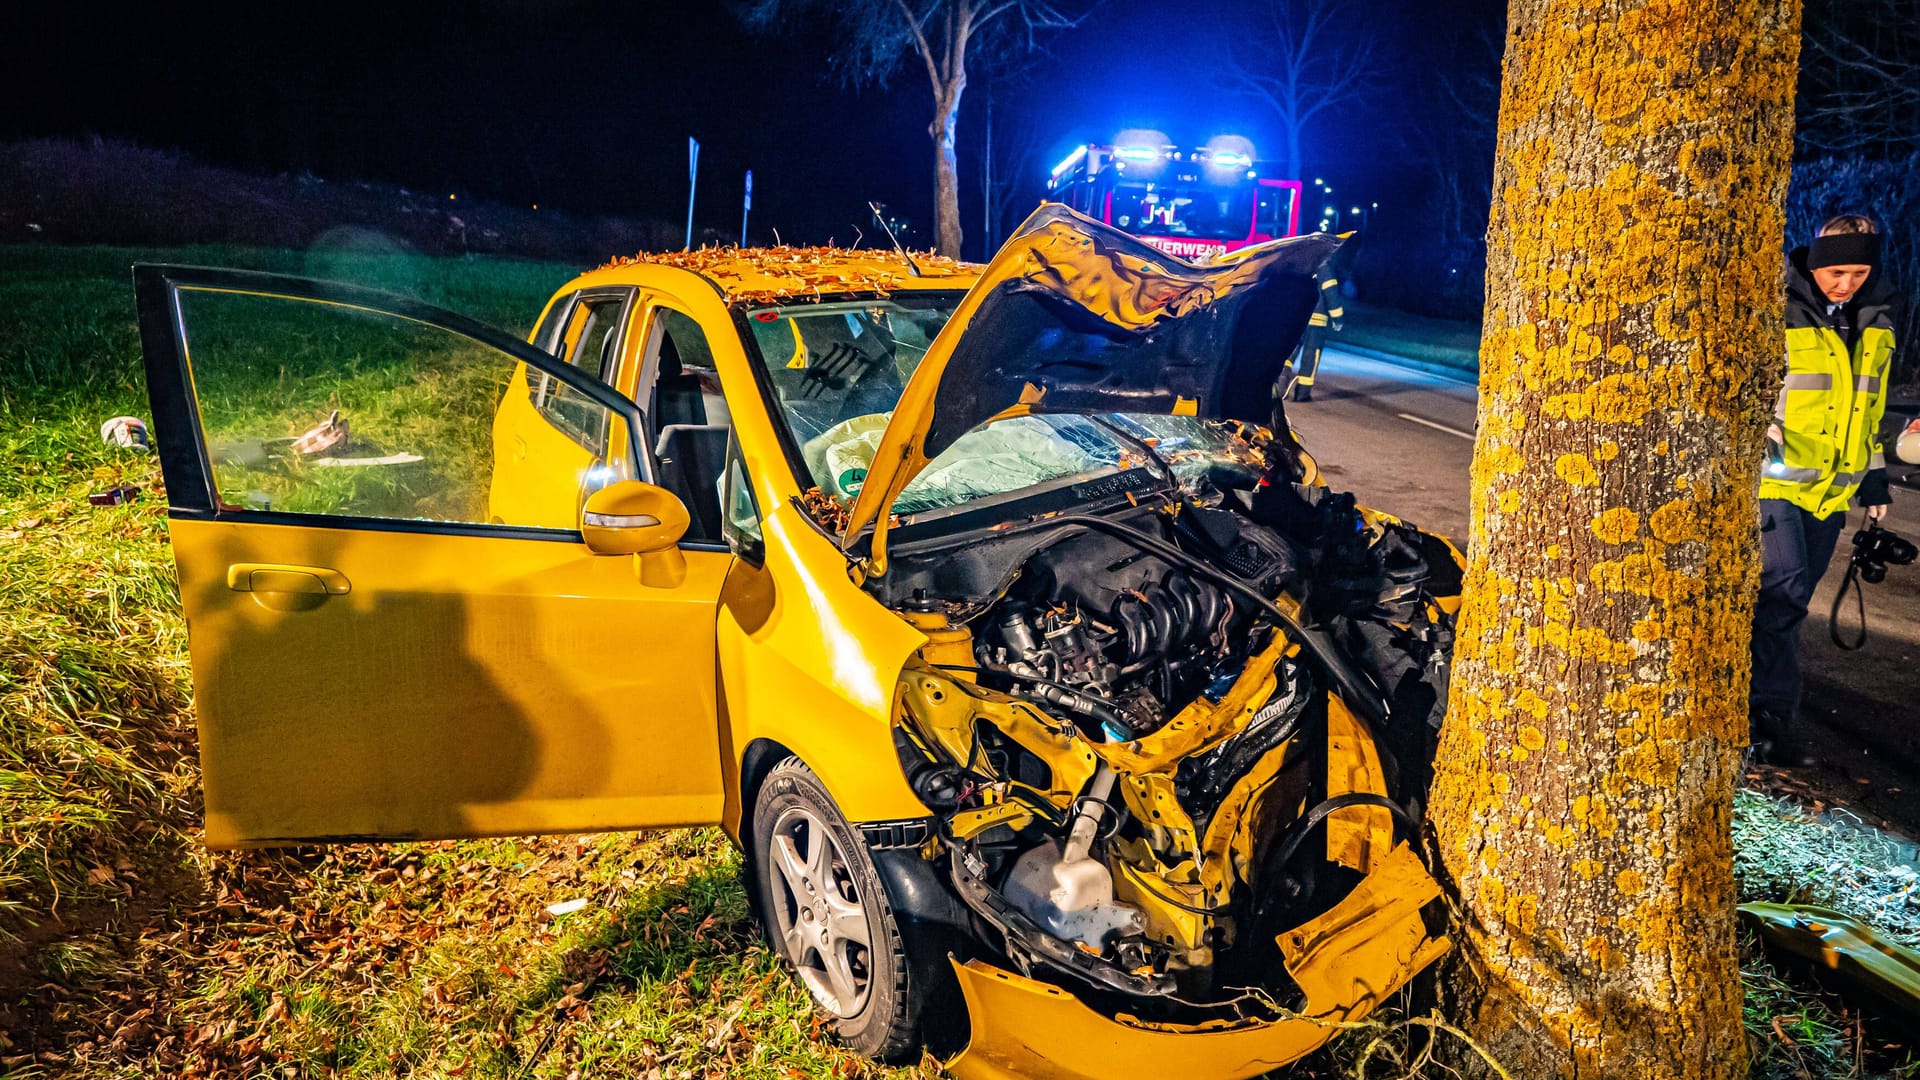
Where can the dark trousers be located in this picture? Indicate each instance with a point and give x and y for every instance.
(1795, 548)
(1306, 361)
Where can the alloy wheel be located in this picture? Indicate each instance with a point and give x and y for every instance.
(821, 921)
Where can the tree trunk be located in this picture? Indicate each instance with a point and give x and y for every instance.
(946, 173)
(1293, 153)
(1633, 344)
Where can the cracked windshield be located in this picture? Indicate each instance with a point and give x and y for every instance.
(837, 370)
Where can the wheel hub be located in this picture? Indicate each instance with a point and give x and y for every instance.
(819, 915)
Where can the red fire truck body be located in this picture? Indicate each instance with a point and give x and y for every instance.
(1194, 204)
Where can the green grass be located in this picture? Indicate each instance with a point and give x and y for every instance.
(1429, 340)
(1784, 854)
(1797, 1028)
(127, 950)
(267, 369)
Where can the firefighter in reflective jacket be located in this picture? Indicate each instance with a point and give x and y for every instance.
(1326, 313)
(1823, 451)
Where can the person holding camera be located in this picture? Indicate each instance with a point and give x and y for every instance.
(1823, 451)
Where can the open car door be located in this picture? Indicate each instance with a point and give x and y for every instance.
(384, 646)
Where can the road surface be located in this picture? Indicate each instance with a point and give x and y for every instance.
(1401, 440)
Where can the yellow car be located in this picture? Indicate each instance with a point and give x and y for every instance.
(994, 611)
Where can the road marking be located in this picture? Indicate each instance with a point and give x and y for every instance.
(1467, 435)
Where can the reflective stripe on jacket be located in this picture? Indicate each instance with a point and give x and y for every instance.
(1328, 310)
(1830, 407)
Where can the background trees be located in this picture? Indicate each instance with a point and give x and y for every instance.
(1305, 60)
(1859, 132)
(1585, 779)
(945, 36)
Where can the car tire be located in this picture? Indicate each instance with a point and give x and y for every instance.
(818, 895)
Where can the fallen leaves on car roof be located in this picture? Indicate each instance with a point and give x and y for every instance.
(772, 274)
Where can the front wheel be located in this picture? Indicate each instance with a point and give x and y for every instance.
(828, 916)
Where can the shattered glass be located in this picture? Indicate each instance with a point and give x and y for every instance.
(1019, 452)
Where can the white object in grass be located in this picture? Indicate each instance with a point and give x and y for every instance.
(390, 459)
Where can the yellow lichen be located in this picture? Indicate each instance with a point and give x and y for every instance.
(1576, 470)
(1676, 521)
(1616, 526)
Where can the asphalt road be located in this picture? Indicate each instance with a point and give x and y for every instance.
(1401, 440)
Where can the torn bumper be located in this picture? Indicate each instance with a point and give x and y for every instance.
(1858, 953)
(1347, 961)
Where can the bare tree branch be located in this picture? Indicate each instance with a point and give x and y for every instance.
(1300, 64)
(1860, 77)
(876, 35)
(920, 43)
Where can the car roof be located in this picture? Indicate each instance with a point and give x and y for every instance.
(773, 275)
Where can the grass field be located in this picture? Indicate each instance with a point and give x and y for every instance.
(126, 950)
(1442, 342)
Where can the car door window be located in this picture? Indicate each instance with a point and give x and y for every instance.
(1275, 209)
(588, 339)
(311, 406)
(547, 335)
(689, 418)
(740, 520)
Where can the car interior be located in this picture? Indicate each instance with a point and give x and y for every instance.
(690, 421)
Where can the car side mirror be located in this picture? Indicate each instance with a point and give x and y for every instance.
(632, 517)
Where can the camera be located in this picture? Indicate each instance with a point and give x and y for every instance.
(1875, 548)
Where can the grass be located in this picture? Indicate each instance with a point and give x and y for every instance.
(127, 950)
(1798, 1025)
(1434, 341)
(1800, 1029)
(1785, 854)
(266, 369)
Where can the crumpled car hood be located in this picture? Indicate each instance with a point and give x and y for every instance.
(1075, 316)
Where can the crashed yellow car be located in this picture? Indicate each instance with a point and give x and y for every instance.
(994, 611)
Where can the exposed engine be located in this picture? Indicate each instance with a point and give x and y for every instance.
(1149, 756)
(1110, 634)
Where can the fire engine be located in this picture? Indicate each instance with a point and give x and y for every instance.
(1191, 203)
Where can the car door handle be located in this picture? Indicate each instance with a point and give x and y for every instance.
(317, 581)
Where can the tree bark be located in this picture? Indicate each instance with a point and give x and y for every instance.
(1633, 343)
(946, 173)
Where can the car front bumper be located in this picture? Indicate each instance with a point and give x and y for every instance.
(1347, 961)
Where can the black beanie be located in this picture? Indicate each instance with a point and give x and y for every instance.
(1844, 249)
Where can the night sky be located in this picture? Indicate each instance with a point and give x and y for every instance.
(586, 105)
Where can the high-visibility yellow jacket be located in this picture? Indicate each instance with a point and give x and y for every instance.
(1835, 394)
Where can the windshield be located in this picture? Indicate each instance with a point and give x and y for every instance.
(1204, 211)
(837, 370)
(831, 363)
(1019, 452)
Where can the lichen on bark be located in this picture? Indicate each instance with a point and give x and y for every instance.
(1583, 794)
